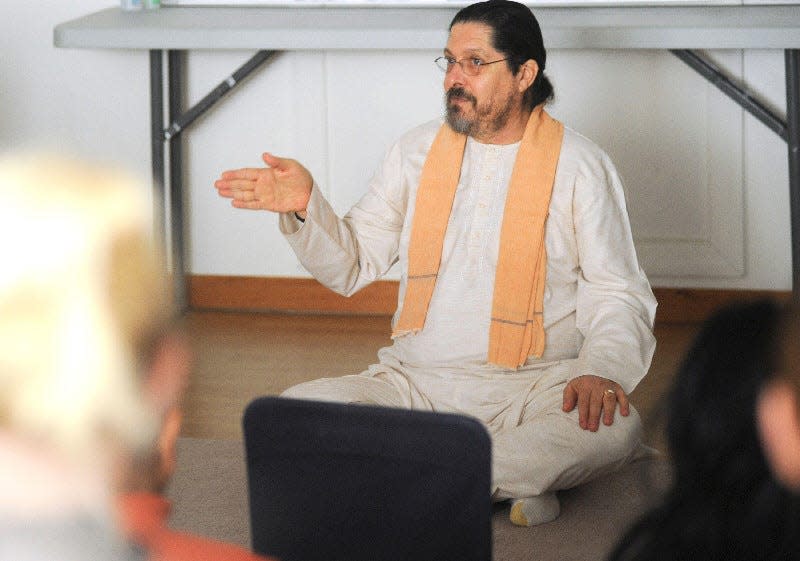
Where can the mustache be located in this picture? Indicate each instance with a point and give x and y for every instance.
(458, 92)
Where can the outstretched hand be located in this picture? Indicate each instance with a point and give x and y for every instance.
(595, 395)
(283, 186)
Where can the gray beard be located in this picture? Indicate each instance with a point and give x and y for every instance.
(472, 127)
(459, 123)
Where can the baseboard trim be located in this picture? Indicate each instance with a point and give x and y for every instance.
(693, 305)
(303, 295)
(287, 294)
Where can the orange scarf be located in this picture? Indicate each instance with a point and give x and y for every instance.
(517, 327)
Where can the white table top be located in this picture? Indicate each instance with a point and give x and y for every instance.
(331, 28)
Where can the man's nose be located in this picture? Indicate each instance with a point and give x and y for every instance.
(454, 77)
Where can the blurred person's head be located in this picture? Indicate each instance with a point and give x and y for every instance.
(83, 307)
(711, 427)
(723, 501)
(778, 406)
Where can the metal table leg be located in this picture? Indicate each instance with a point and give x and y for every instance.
(789, 131)
(157, 141)
(792, 57)
(177, 255)
(179, 121)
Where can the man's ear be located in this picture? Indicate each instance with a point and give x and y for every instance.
(167, 447)
(167, 377)
(778, 419)
(164, 385)
(526, 74)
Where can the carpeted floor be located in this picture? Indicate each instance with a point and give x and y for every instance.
(209, 492)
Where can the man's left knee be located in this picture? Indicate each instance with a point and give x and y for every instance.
(622, 437)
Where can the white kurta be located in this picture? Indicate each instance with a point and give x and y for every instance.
(598, 306)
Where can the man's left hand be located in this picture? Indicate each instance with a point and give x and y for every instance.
(595, 395)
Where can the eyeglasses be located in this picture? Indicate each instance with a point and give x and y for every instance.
(469, 66)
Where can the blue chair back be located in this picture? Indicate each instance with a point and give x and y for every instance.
(330, 481)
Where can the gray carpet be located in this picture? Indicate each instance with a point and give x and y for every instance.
(209, 492)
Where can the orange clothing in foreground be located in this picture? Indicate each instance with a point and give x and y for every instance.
(143, 519)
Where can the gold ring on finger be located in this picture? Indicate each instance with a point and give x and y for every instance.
(610, 392)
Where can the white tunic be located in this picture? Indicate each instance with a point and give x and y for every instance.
(598, 307)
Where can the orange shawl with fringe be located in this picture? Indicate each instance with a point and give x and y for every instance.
(517, 327)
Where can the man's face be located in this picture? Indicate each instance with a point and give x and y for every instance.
(480, 105)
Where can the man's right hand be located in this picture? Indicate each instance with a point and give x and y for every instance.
(283, 186)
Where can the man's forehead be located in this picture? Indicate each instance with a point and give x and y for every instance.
(470, 37)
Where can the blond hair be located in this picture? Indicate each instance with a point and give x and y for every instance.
(81, 294)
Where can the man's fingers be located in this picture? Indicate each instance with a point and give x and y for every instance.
(250, 174)
(596, 398)
(239, 189)
(583, 409)
(250, 205)
(624, 404)
(610, 398)
(283, 186)
(247, 195)
(234, 185)
(273, 161)
(595, 407)
(570, 398)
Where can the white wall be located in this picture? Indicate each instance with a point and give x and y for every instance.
(88, 103)
(707, 185)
